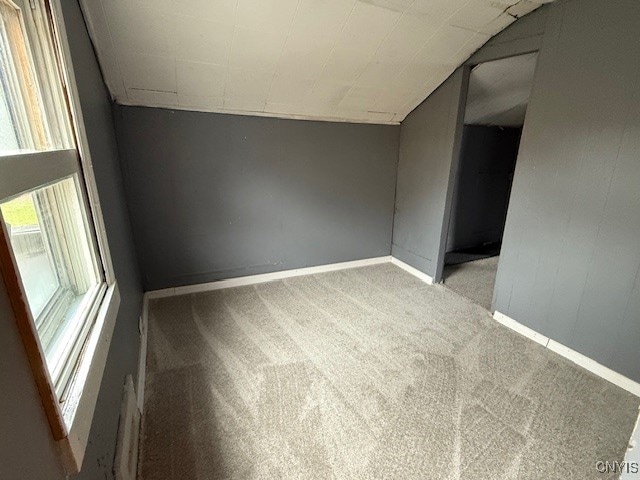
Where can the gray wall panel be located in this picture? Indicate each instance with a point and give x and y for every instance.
(427, 148)
(27, 446)
(217, 196)
(570, 254)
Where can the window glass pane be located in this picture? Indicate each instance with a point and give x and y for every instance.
(34, 260)
(8, 137)
(32, 112)
(57, 265)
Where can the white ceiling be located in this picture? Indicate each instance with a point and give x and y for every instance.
(351, 60)
(499, 91)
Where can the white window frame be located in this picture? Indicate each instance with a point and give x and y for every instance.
(71, 419)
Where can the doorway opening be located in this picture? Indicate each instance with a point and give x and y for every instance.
(494, 115)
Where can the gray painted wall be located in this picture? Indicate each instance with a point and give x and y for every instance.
(570, 263)
(26, 444)
(215, 196)
(123, 353)
(428, 144)
(482, 186)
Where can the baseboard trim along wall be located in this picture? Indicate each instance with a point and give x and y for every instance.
(125, 465)
(521, 329)
(571, 355)
(269, 277)
(142, 358)
(262, 278)
(412, 270)
(633, 453)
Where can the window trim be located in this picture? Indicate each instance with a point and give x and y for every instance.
(70, 421)
(79, 131)
(81, 398)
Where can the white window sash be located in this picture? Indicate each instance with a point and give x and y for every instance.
(26, 172)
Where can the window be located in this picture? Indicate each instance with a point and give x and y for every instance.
(58, 269)
(60, 264)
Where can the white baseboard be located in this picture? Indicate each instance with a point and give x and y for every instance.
(412, 270)
(632, 457)
(571, 355)
(262, 278)
(125, 465)
(297, 272)
(594, 367)
(521, 329)
(142, 358)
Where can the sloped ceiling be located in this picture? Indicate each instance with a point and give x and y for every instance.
(350, 60)
(499, 91)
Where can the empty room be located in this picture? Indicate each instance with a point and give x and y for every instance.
(319, 239)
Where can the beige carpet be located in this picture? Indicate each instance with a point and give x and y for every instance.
(474, 280)
(365, 373)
